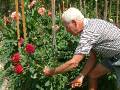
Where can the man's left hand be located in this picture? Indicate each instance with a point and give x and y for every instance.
(77, 82)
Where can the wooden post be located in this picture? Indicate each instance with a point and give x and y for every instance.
(23, 20)
(110, 5)
(67, 4)
(63, 3)
(96, 9)
(117, 13)
(53, 24)
(17, 24)
(70, 5)
(105, 10)
(81, 9)
(59, 11)
(84, 3)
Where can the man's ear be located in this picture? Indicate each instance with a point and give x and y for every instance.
(74, 22)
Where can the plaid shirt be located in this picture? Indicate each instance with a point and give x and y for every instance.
(101, 36)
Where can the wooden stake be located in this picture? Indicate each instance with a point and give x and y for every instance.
(17, 24)
(81, 8)
(70, 5)
(96, 9)
(117, 13)
(105, 10)
(59, 11)
(63, 6)
(110, 6)
(23, 19)
(67, 4)
(53, 24)
(84, 3)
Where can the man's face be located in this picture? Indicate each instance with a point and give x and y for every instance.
(74, 27)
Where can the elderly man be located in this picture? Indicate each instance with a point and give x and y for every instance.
(96, 37)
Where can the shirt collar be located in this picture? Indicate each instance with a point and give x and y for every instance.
(85, 21)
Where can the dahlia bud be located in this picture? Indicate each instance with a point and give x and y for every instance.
(21, 41)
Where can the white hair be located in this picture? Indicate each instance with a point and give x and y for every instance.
(72, 14)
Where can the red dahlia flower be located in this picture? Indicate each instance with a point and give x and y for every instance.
(18, 69)
(30, 48)
(15, 57)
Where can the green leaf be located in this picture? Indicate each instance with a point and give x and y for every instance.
(7, 65)
(47, 83)
(38, 87)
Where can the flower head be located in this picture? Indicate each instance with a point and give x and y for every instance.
(31, 5)
(21, 41)
(6, 20)
(14, 16)
(18, 69)
(49, 13)
(30, 48)
(15, 57)
(41, 11)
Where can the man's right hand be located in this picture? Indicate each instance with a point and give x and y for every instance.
(48, 72)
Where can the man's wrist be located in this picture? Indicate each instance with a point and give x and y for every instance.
(53, 71)
(81, 75)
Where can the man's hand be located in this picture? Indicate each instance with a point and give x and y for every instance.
(78, 81)
(48, 72)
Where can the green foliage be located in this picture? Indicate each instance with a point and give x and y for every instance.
(39, 33)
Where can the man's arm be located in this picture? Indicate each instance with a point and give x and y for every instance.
(87, 68)
(69, 65)
(89, 64)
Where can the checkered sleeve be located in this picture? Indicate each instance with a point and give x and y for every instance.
(87, 40)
